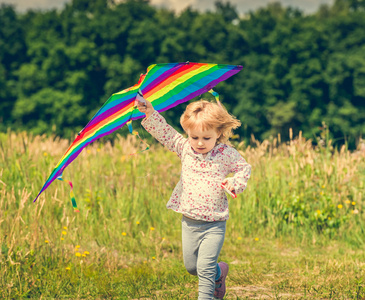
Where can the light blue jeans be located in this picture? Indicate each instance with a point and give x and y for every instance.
(202, 242)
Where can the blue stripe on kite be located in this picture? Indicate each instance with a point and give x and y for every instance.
(110, 111)
(110, 128)
(56, 172)
(184, 93)
(192, 88)
(115, 103)
(151, 79)
(123, 98)
(111, 100)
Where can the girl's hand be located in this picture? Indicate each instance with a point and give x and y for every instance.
(146, 108)
(228, 186)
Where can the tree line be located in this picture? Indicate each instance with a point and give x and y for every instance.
(300, 71)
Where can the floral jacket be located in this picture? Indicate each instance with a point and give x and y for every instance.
(198, 194)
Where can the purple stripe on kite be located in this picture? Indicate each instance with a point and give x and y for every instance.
(72, 158)
(196, 93)
(150, 86)
(112, 110)
(136, 117)
(48, 182)
(161, 78)
(160, 74)
(201, 91)
(230, 73)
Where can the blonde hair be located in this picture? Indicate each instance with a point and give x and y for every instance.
(207, 115)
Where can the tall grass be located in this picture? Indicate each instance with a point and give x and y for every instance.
(297, 192)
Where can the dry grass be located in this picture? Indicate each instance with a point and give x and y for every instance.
(299, 200)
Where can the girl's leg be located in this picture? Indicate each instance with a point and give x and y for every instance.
(190, 244)
(202, 242)
(210, 247)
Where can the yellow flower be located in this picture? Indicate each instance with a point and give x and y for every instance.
(339, 206)
(137, 223)
(78, 254)
(62, 239)
(289, 183)
(124, 233)
(321, 193)
(64, 232)
(86, 252)
(78, 246)
(163, 238)
(83, 255)
(152, 228)
(45, 153)
(256, 239)
(323, 186)
(46, 241)
(318, 212)
(239, 238)
(98, 150)
(348, 201)
(353, 202)
(153, 257)
(145, 261)
(64, 227)
(88, 151)
(68, 268)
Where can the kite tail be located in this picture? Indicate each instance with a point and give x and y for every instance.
(216, 96)
(72, 195)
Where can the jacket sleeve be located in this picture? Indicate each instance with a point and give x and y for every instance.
(241, 170)
(157, 126)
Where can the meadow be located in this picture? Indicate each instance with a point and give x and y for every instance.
(297, 232)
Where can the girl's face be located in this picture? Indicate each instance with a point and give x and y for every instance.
(202, 141)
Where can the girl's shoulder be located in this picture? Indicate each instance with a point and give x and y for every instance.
(223, 152)
(230, 152)
(227, 148)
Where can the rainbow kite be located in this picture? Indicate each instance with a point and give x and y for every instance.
(164, 85)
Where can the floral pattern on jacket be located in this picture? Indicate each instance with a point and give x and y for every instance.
(198, 194)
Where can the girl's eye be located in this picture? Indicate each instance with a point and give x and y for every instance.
(194, 138)
(207, 139)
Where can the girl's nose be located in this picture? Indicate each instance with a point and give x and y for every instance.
(200, 143)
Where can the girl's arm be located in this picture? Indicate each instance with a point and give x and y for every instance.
(157, 126)
(242, 172)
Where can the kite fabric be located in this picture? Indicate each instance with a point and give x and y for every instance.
(164, 85)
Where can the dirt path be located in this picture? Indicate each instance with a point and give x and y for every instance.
(243, 292)
(257, 292)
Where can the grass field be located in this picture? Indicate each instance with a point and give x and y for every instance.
(297, 232)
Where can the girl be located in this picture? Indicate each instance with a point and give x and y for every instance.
(206, 159)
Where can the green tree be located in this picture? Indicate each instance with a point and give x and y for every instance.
(50, 110)
(12, 55)
(298, 70)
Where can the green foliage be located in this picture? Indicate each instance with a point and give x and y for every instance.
(63, 108)
(299, 70)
